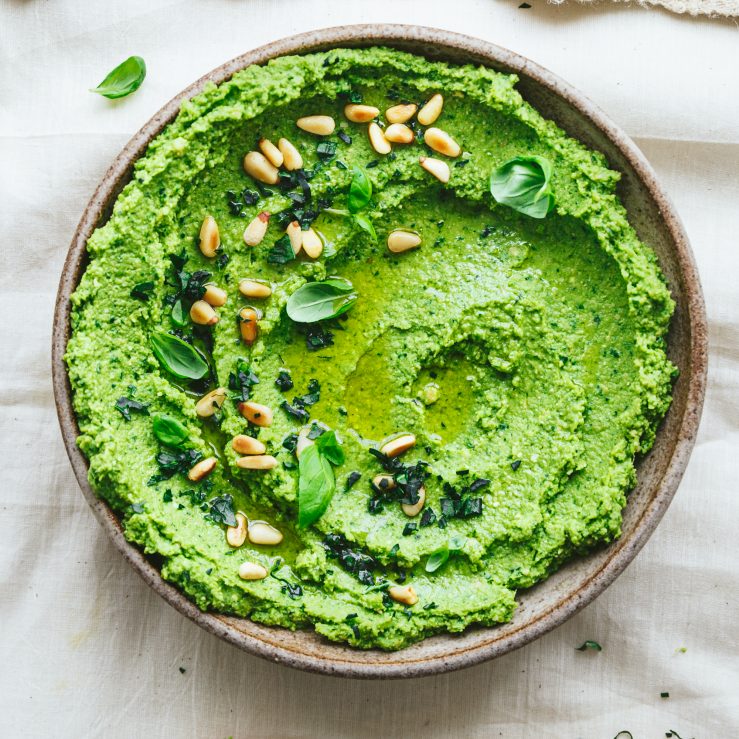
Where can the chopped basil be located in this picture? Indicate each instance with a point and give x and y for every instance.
(142, 291)
(177, 356)
(222, 510)
(589, 645)
(515, 464)
(172, 462)
(281, 252)
(345, 137)
(242, 380)
(318, 337)
(664, 695)
(123, 80)
(137, 507)
(298, 413)
(410, 528)
(320, 301)
(351, 479)
(523, 183)
(293, 590)
(284, 381)
(353, 560)
(326, 150)
(126, 405)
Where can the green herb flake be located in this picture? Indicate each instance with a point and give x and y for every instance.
(664, 695)
(142, 291)
(126, 405)
(589, 645)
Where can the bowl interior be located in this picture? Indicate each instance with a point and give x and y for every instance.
(548, 604)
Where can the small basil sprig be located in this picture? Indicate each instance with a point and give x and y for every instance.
(523, 183)
(177, 356)
(123, 80)
(319, 301)
(439, 557)
(329, 446)
(169, 431)
(358, 198)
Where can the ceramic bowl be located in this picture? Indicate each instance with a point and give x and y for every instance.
(548, 604)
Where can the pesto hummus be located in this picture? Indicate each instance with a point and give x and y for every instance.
(329, 380)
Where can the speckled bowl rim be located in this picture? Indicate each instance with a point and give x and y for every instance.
(273, 644)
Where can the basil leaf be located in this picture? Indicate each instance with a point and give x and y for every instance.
(316, 485)
(437, 559)
(169, 431)
(177, 356)
(330, 447)
(523, 183)
(319, 301)
(123, 80)
(360, 191)
(366, 225)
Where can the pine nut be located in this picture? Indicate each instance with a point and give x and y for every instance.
(210, 402)
(243, 444)
(400, 240)
(321, 125)
(256, 413)
(431, 110)
(257, 229)
(415, 508)
(401, 113)
(442, 142)
(290, 154)
(252, 571)
(257, 462)
(398, 445)
(202, 469)
(249, 325)
(399, 133)
(436, 167)
(312, 244)
(254, 289)
(215, 296)
(406, 595)
(210, 239)
(360, 113)
(377, 138)
(203, 314)
(256, 165)
(295, 234)
(236, 535)
(384, 482)
(260, 532)
(273, 154)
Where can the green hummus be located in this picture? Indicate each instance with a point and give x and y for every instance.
(525, 355)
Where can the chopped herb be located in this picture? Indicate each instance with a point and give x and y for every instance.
(317, 337)
(290, 442)
(351, 480)
(167, 496)
(126, 405)
(242, 380)
(372, 164)
(393, 553)
(479, 484)
(525, 6)
(515, 464)
(326, 150)
(430, 606)
(292, 589)
(590, 645)
(299, 414)
(142, 291)
(345, 137)
(222, 510)
(281, 252)
(222, 260)
(284, 381)
(182, 670)
(137, 507)
(353, 560)
(428, 517)
(410, 528)
(664, 695)
(172, 462)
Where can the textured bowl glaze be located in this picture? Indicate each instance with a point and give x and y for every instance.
(548, 604)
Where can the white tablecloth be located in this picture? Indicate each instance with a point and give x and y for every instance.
(87, 650)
